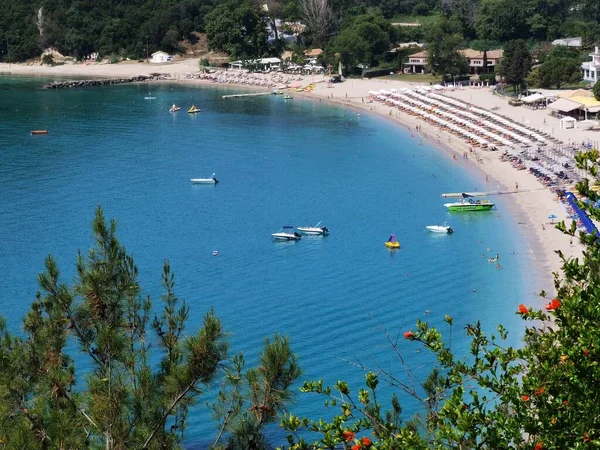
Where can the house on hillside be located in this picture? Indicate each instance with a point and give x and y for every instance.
(417, 62)
(161, 57)
(591, 69)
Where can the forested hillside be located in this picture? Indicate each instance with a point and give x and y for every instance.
(128, 28)
(81, 27)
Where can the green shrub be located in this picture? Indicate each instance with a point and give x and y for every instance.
(420, 9)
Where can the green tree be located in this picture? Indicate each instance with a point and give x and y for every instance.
(560, 66)
(238, 28)
(596, 90)
(501, 20)
(515, 64)
(443, 39)
(123, 398)
(364, 39)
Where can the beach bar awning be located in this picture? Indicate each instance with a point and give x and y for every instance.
(533, 98)
(564, 105)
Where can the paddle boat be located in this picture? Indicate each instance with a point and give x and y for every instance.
(316, 230)
(194, 110)
(174, 108)
(286, 233)
(466, 202)
(287, 97)
(440, 228)
(392, 242)
(210, 180)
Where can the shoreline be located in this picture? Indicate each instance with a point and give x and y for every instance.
(531, 207)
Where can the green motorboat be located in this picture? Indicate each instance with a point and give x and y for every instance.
(466, 202)
(470, 205)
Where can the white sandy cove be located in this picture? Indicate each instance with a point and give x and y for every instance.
(532, 204)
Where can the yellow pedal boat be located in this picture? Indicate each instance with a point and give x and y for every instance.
(392, 242)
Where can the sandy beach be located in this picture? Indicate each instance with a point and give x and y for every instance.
(531, 203)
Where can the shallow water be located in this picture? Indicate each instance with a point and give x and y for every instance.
(280, 163)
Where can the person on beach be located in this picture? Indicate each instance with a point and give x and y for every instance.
(516, 186)
(543, 227)
(486, 179)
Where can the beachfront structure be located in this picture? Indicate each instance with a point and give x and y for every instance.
(417, 62)
(160, 57)
(264, 64)
(576, 106)
(591, 68)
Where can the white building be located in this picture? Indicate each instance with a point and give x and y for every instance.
(569, 42)
(591, 68)
(161, 57)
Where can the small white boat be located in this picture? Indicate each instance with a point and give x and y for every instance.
(174, 108)
(215, 252)
(149, 97)
(316, 230)
(288, 97)
(287, 233)
(440, 228)
(211, 180)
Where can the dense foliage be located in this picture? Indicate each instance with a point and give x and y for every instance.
(139, 372)
(133, 28)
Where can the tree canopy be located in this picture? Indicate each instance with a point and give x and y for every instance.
(516, 63)
(238, 28)
(123, 399)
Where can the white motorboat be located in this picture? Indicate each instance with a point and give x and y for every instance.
(316, 230)
(287, 233)
(440, 228)
(210, 180)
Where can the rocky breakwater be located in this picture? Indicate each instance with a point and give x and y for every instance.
(106, 81)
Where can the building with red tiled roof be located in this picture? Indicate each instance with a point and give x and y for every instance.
(417, 62)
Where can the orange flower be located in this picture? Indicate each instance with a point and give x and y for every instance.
(356, 447)
(539, 446)
(522, 309)
(563, 358)
(366, 441)
(586, 438)
(525, 398)
(348, 435)
(554, 304)
(540, 391)
(408, 335)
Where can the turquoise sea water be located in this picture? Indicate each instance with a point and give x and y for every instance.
(280, 163)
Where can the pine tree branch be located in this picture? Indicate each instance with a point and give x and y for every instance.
(167, 412)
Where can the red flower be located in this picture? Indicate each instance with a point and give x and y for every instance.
(356, 447)
(408, 335)
(554, 304)
(586, 352)
(586, 438)
(525, 398)
(522, 309)
(539, 446)
(565, 402)
(366, 441)
(348, 435)
(540, 391)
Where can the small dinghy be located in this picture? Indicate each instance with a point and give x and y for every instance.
(286, 233)
(211, 180)
(440, 228)
(174, 108)
(316, 230)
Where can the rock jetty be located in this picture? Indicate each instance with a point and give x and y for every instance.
(106, 81)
